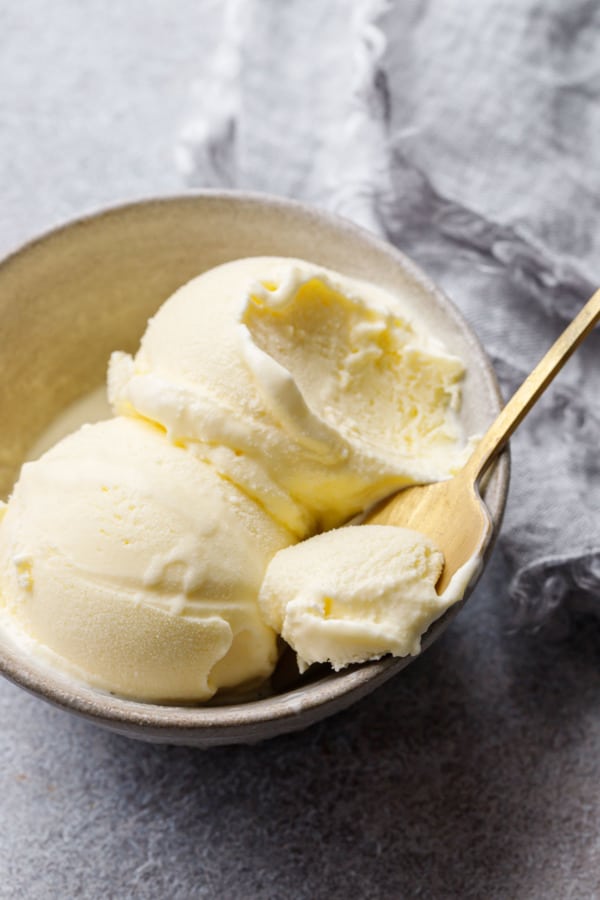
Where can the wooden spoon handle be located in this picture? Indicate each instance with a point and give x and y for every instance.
(533, 386)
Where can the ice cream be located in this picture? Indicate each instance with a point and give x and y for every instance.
(270, 400)
(135, 567)
(357, 593)
(310, 390)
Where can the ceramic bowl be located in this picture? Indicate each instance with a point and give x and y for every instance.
(70, 298)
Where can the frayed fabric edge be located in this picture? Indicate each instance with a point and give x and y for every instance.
(206, 150)
(366, 172)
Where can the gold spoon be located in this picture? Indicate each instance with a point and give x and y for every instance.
(452, 512)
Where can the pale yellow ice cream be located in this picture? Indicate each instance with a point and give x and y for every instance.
(270, 399)
(357, 593)
(310, 390)
(135, 567)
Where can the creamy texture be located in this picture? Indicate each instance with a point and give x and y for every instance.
(357, 593)
(137, 567)
(270, 399)
(310, 390)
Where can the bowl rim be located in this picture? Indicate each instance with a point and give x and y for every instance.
(228, 723)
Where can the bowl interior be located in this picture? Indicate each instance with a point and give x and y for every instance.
(72, 297)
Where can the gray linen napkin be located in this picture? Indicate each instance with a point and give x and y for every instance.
(468, 134)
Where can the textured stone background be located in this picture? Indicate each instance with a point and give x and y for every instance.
(474, 774)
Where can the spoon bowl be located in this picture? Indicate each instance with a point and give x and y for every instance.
(451, 513)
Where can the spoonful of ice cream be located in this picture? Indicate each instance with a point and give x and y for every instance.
(452, 512)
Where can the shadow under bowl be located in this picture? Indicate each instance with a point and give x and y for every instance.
(70, 298)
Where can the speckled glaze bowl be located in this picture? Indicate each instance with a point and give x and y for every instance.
(70, 298)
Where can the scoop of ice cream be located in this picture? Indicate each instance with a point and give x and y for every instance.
(135, 567)
(312, 391)
(357, 593)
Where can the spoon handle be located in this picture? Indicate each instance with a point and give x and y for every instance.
(534, 385)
